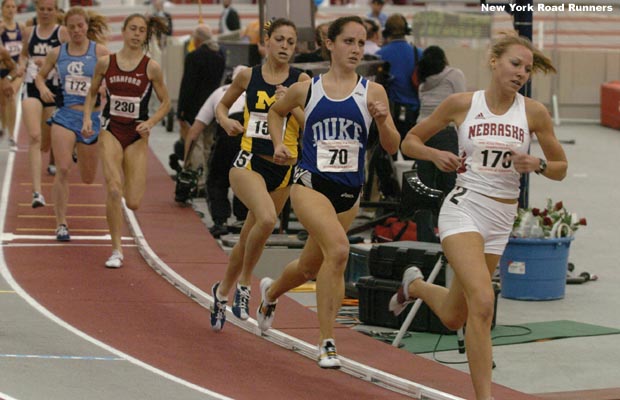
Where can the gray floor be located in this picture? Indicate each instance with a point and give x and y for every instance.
(562, 365)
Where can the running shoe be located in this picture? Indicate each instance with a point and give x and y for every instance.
(241, 302)
(401, 298)
(328, 357)
(266, 310)
(62, 233)
(51, 169)
(218, 310)
(37, 200)
(115, 260)
(12, 145)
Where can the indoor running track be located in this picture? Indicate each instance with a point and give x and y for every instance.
(147, 319)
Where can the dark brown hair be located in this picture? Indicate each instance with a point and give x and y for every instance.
(154, 26)
(335, 29)
(271, 26)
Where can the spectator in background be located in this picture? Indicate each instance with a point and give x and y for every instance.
(376, 12)
(320, 33)
(438, 81)
(25, 6)
(229, 19)
(373, 38)
(221, 157)
(404, 102)
(202, 74)
(251, 34)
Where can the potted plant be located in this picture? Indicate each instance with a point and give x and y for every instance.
(534, 263)
(553, 221)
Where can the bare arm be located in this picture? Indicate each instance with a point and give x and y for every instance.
(378, 107)
(238, 86)
(23, 57)
(192, 134)
(453, 109)
(39, 80)
(298, 112)
(100, 69)
(540, 123)
(294, 97)
(154, 73)
(63, 34)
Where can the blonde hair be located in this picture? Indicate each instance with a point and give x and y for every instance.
(501, 45)
(97, 24)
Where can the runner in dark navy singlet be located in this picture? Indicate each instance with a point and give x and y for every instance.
(262, 185)
(130, 76)
(38, 40)
(11, 39)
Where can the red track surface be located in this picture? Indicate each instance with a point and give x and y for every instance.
(136, 311)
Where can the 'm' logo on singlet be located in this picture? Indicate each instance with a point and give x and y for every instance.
(264, 100)
(76, 68)
(41, 49)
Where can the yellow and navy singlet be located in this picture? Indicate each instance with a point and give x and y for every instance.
(260, 95)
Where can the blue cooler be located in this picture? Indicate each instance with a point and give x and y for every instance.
(534, 269)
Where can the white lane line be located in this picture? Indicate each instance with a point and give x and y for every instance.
(354, 368)
(9, 237)
(6, 274)
(57, 357)
(4, 396)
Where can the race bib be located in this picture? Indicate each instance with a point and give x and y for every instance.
(32, 69)
(243, 159)
(257, 126)
(14, 48)
(491, 156)
(127, 107)
(77, 85)
(337, 155)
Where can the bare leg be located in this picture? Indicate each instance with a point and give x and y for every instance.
(31, 117)
(264, 207)
(63, 141)
(111, 153)
(328, 229)
(470, 299)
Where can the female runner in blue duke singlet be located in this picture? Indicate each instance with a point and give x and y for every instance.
(339, 107)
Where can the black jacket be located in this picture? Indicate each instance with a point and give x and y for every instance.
(202, 74)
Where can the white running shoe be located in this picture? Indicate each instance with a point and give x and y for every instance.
(328, 357)
(12, 145)
(401, 298)
(266, 310)
(51, 170)
(115, 260)
(37, 200)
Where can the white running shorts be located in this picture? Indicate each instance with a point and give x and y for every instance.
(464, 210)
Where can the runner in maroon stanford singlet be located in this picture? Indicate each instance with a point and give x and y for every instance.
(130, 77)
